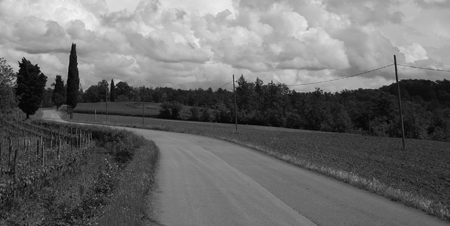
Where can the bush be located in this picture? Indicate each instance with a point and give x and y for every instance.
(170, 110)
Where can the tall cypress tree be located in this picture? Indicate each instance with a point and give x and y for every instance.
(112, 95)
(30, 87)
(73, 81)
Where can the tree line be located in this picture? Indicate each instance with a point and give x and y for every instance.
(375, 112)
(426, 106)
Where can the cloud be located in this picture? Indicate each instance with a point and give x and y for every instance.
(433, 3)
(163, 43)
(414, 52)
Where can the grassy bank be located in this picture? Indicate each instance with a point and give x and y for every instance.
(92, 188)
(418, 177)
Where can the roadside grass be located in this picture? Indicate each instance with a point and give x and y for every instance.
(130, 204)
(120, 108)
(418, 177)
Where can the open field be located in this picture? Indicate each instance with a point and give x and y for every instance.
(119, 108)
(418, 177)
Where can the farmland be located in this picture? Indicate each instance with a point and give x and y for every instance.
(418, 177)
(119, 108)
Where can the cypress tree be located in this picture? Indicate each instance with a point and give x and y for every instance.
(112, 91)
(73, 81)
(30, 87)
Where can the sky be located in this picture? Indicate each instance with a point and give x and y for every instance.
(202, 43)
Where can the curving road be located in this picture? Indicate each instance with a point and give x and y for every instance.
(205, 181)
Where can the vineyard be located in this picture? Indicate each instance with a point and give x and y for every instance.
(32, 152)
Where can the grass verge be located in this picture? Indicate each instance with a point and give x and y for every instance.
(130, 204)
(418, 177)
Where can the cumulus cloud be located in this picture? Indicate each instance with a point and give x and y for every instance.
(414, 52)
(287, 41)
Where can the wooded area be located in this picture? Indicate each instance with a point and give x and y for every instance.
(364, 111)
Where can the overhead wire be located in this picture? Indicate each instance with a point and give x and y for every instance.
(225, 85)
(423, 68)
(349, 76)
(358, 74)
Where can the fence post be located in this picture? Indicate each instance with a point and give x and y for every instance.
(1, 147)
(38, 148)
(51, 142)
(59, 149)
(43, 153)
(15, 163)
(25, 148)
(10, 151)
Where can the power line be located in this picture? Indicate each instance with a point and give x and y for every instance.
(225, 85)
(423, 68)
(304, 84)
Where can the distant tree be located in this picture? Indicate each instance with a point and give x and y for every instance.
(30, 87)
(91, 95)
(47, 101)
(206, 115)
(244, 93)
(195, 114)
(7, 97)
(73, 80)
(123, 89)
(80, 95)
(103, 90)
(170, 110)
(112, 96)
(58, 92)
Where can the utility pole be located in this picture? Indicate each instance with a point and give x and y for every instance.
(400, 103)
(235, 107)
(106, 100)
(143, 120)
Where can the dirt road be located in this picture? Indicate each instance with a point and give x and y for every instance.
(204, 181)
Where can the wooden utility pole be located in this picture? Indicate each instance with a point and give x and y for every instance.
(400, 103)
(106, 100)
(143, 120)
(235, 106)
